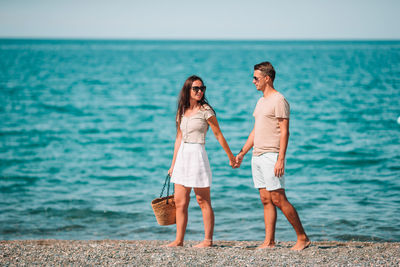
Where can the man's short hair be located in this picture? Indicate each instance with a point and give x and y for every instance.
(266, 68)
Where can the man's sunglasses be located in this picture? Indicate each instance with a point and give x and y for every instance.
(197, 88)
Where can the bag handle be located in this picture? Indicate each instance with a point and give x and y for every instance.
(167, 179)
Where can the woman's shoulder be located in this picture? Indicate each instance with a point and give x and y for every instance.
(205, 107)
(207, 111)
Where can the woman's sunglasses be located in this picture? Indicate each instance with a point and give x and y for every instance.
(197, 88)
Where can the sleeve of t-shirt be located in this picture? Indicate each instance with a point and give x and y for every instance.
(208, 112)
(282, 109)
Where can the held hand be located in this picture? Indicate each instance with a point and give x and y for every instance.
(279, 168)
(232, 162)
(239, 159)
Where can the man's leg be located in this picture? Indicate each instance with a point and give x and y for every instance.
(279, 199)
(269, 218)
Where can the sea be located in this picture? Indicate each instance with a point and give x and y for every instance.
(87, 131)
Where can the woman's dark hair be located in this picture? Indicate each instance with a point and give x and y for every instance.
(184, 98)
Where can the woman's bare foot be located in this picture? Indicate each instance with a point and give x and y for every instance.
(174, 244)
(269, 244)
(205, 244)
(301, 244)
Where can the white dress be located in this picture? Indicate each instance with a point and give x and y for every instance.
(192, 168)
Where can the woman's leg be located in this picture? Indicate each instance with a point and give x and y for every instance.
(182, 198)
(204, 200)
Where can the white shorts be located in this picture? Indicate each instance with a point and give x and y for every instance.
(192, 168)
(262, 168)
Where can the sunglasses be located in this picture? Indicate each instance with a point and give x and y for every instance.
(197, 88)
(258, 78)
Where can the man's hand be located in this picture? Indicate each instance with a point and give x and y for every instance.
(279, 168)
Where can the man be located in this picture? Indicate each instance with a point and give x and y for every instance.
(269, 139)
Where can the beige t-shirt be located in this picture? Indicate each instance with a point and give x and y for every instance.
(266, 129)
(194, 128)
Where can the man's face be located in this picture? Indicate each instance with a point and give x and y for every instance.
(259, 80)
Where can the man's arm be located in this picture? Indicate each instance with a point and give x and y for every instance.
(247, 146)
(283, 143)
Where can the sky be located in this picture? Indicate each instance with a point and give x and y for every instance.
(206, 19)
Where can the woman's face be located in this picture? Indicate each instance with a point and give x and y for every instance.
(196, 94)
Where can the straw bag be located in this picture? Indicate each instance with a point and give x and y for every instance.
(164, 207)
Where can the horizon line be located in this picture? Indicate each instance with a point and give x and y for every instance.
(193, 39)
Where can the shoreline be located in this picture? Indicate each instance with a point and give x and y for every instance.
(223, 253)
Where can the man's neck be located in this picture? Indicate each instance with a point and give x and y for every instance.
(269, 90)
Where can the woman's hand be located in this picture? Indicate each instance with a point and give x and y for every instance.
(170, 171)
(232, 162)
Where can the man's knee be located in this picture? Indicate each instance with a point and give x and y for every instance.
(266, 200)
(265, 196)
(278, 198)
(277, 202)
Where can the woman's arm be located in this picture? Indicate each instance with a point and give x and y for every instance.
(178, 141)
(212, 121)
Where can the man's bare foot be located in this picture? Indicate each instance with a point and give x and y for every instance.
(205, 244)
(174, 244)
(301, 244)
(266, 245)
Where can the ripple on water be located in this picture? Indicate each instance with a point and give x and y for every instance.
(85, 145)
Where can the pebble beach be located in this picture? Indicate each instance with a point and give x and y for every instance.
(223, 253)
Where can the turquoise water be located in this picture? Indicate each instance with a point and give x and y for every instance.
(87, 132)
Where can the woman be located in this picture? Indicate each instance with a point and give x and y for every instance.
(190, 166)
